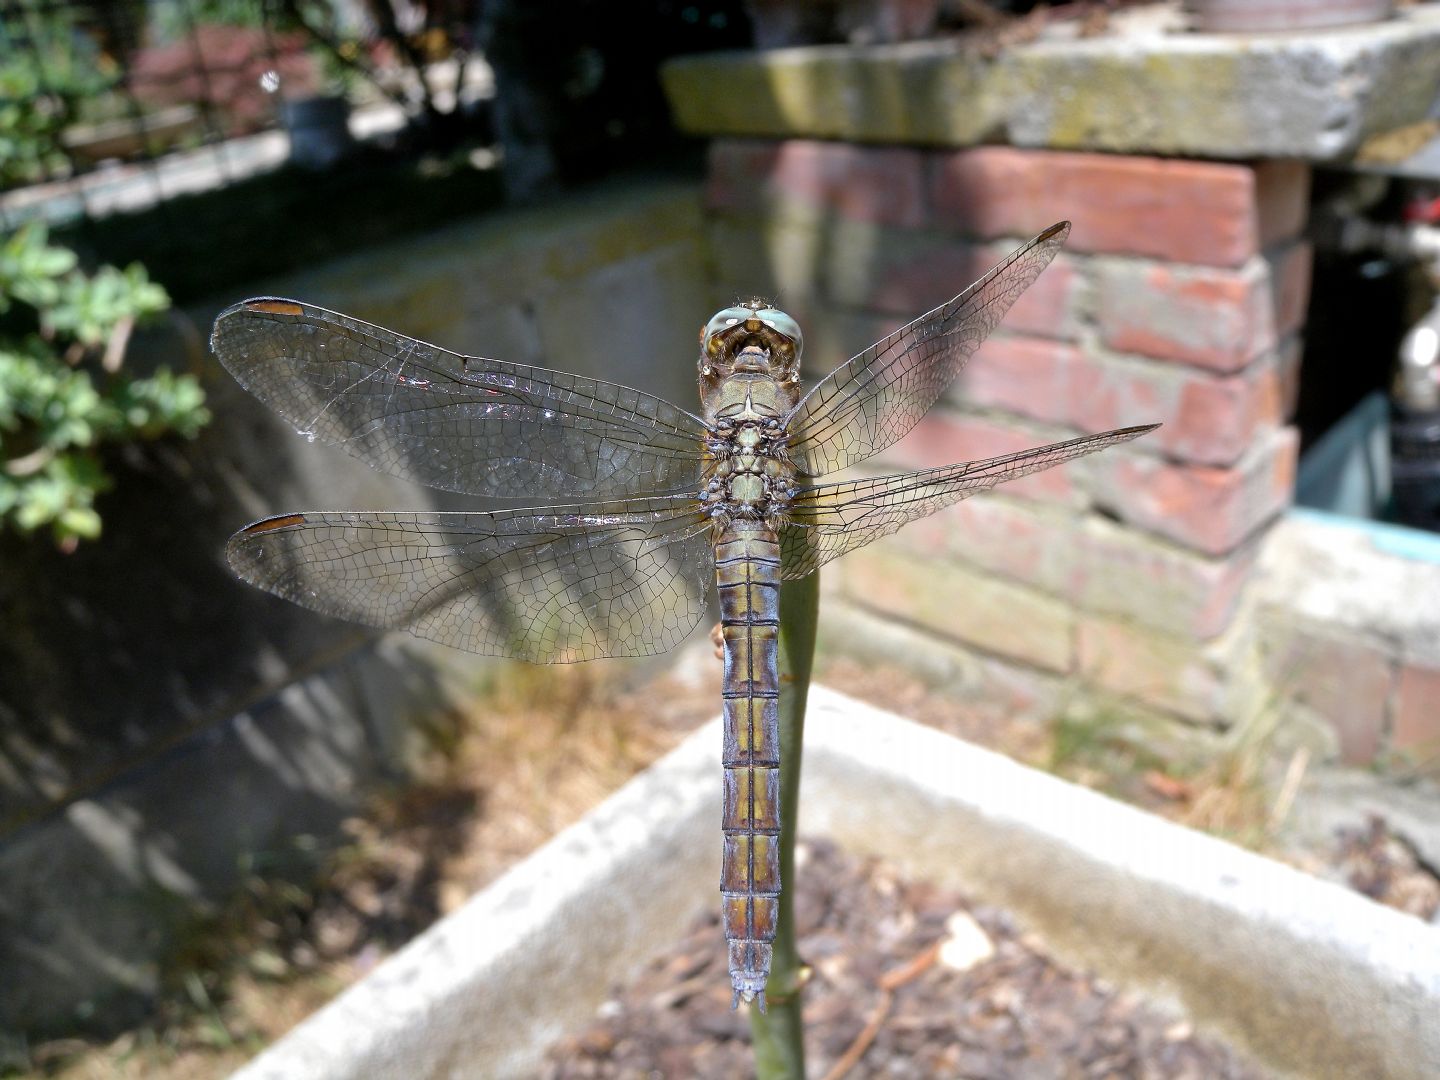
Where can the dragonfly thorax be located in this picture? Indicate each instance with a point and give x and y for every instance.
(750, 384)
(748, 476)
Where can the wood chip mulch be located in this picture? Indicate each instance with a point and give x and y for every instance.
(1375, 860)
(909, 980)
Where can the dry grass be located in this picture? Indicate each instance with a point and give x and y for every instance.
(550, 743)
(1235, 795)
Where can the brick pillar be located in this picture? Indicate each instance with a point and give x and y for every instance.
(1180, 298)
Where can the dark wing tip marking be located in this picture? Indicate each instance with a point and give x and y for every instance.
(270, 305)
(283, 521)
(1136, 431)
(1060, 228)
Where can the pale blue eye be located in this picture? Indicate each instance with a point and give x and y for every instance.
(773, 318)
(723, 320)
(782, 323)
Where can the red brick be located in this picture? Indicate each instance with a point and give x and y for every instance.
(1050, 307)
(1218, 319)
(1184, 211)
(945, 438)
(1290, 269)
(1417, 712)
(910, 279)
(1208, 419)
(966, 605)
(1024, 541)
(1344, 681)
(1218, 418)
(1102, 567)
(1015, 692)
(1029, 376)
(1117, 571)
(1105, 394)
(1202, 507)
(880, 185)
(1158, 669)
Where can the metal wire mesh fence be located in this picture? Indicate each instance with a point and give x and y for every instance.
(95, 96)
(155, 130)
(109, 105)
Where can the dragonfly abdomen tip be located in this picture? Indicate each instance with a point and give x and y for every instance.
(748, 986)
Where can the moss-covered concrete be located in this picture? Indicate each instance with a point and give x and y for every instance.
(1143, 88)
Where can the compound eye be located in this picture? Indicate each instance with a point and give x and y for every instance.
(721, 321)
(782, 323)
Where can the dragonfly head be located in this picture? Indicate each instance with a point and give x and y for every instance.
(751, 337)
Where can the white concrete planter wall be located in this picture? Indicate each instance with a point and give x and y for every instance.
(1308, 977)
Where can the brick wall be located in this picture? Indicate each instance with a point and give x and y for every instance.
(1347, 629)
(1179, 298)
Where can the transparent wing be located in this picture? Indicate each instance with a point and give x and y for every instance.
(550, 585)
(830, 519)
(461, 423)
(874, 398)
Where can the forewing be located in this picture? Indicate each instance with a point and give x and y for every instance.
(876, 397)
(552, 585)
(461, 423)
(830, 519)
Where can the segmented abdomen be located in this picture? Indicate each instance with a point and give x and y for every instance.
(747, 572)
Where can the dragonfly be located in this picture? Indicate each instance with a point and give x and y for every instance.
(653, 505)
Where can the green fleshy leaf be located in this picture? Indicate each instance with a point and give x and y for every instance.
(51, 403)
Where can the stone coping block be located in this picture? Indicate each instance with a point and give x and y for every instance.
(1308, 976)
(1349, 576)
(1142, 88)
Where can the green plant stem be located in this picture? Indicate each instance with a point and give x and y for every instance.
(778, 1034)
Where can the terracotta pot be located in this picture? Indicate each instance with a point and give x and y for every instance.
(1243, 16)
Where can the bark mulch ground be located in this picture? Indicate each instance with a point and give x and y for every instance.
(909, 980)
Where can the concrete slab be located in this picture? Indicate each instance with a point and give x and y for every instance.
(1353, 575)
(1142, 88)
(94, 896)
(1309, 977)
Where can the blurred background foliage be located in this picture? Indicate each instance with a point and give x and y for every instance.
(64, 389)
(45, 83)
